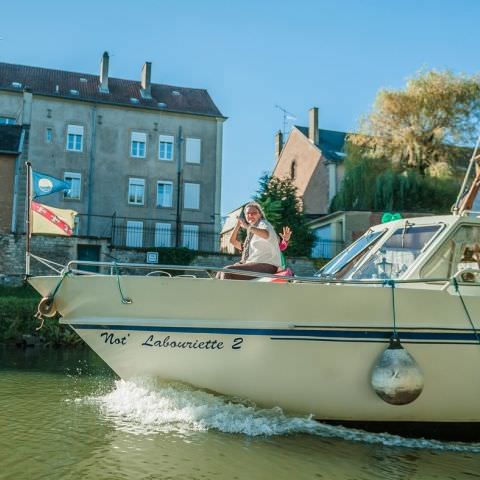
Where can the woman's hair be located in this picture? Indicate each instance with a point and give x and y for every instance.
(254, 205)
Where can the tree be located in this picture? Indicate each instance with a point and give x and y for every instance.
(421, 127)
(278, 198)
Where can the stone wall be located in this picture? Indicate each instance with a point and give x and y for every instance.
(63, 249)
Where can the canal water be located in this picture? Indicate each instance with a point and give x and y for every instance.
(64, 415)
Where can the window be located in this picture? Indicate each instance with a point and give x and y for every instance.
(190, 237)
(163, 234)
(191, 197)
(193, 152)
(136, 191)
(48, 135)
(7, 121)
(134, 234)
(458, 252)
(164, 194)
(75, 181)
(75, 138)
(165, 147)
(398, 252)
(138, 145)
(293, 170)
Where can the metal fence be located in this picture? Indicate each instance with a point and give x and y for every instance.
(327, 248)
(194, 237)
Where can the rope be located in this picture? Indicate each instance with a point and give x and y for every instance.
(395, 340)
(455, 283)
(51, 297)
(125, 300)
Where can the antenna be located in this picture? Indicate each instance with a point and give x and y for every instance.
(286, 116)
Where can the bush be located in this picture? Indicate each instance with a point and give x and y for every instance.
(18, 306)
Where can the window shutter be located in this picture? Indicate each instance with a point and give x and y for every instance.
(194, 148)
(192, 195)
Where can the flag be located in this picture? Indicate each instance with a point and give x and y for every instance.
(43, 184)
(56, 221)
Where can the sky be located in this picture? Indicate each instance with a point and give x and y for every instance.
(252, 55)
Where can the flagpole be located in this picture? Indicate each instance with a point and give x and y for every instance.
(28, 219)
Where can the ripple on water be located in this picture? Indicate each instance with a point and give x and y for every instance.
(143, 407)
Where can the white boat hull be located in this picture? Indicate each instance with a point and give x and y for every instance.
(308, 348)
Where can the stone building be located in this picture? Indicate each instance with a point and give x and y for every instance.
(11, 145)
(143, 159)
(313, 159)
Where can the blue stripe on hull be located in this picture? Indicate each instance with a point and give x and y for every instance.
(313, 335)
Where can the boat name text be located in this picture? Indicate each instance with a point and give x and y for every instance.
(111, 339)
(167, 342)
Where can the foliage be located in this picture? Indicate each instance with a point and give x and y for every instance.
(17, 309)
(373, 184)
(419, 127)
(282, 207)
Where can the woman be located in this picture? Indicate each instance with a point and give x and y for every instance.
(260, 250)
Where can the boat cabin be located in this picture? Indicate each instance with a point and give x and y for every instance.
(434, 248)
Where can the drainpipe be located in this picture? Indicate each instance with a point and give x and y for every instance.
(15, 183)
(91, 167)
(179, 187)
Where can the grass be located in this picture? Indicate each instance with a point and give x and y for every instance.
(18, 306)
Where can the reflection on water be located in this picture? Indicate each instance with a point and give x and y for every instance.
(64, 415)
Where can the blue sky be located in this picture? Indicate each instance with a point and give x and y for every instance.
(252, 55)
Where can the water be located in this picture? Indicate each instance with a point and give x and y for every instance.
(64, 415)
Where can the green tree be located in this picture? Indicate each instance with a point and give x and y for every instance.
(420, 126)
(278, 198)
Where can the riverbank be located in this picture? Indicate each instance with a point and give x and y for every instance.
(18, 324)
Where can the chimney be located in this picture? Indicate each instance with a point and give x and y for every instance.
(104, 73)
(278, 144)
(27, 106)
(313, 125)
(146, 90)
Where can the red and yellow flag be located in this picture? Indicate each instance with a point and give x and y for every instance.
(50, 220)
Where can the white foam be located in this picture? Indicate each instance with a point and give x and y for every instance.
(144, 408)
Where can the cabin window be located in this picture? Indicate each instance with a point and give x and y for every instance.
(346, 261)
(398, 253)
(459, 252)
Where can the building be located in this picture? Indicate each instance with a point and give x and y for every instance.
(313, 159)
(11, 144)
(143, 159)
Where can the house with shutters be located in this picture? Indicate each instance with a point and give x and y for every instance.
(143, 159)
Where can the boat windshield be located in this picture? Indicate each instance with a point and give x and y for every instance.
(332, 268)
(398, 253)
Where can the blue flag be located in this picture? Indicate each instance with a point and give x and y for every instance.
(43, 184)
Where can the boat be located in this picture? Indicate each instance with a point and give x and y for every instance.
(315, 345)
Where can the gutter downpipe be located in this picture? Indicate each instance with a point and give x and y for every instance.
(15, 183)
(91, 167)
(179, 188)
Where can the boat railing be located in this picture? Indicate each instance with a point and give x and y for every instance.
(210, 272)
